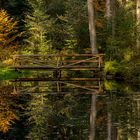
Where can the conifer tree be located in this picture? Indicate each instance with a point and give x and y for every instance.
(76, 26)
(37, 24)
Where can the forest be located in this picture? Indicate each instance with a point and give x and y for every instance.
(43, 44)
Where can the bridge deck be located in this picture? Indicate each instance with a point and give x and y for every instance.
(59, 79)
(56, 68)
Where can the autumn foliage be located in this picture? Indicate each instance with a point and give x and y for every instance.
(8, 34)
(7, 116)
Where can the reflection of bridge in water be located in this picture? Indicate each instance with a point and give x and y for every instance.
(111, 105)
(56, 88)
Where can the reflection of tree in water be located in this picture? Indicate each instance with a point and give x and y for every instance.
(7, 108)
(66, 116)
(12, 118)
(38, 112)
(101, 119)
(121, 110)
(47, 115)
(70, 119)
(123, 115)
(60, 116)
(132, 123)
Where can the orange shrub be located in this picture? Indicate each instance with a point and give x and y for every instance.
(8, 34)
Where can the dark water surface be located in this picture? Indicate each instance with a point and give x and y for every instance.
(38, 111)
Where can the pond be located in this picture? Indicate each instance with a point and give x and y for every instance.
(40, 111)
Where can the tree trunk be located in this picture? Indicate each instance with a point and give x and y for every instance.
(113, 18)
(114, 132)
(92, 117)
(92, 29)
(138, 12)
(109, 126)
(108, 12)
(138, 134)
(138, 19)
(92, 32)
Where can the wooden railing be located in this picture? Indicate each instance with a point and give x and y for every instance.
(58, 61)
(63, 87)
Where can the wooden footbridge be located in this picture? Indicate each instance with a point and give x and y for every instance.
(59, 61)
(66, 72)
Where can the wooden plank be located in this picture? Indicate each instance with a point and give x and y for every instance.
(77, 67)
(53, 79)
(56, 55)
(18, 93)
(55, 68)
(55, 61)
(62, 87)
(62, 92)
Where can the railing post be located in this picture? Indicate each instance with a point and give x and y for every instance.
(99, 58)
(13, 60)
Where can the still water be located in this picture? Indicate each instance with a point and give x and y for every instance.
(38, 111)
